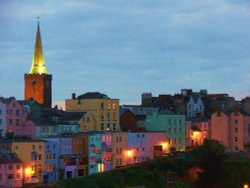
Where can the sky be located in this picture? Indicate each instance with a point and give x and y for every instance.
(126, 47)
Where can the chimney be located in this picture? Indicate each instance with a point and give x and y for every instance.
(73, 95)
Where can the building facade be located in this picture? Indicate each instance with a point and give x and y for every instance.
(103, 110)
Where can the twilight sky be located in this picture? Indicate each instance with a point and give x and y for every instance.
(125, 47)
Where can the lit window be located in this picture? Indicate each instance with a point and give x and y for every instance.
(18, 176)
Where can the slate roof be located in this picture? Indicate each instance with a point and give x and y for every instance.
(6, 100)
(72, 116)
(9, 158)
(93, 95)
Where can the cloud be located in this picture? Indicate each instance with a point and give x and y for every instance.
(159, 46)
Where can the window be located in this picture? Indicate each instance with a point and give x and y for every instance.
(10, 176)
(169, 130)
(236, 148)
(174, 140)
(114, 106)
(33, 147)
(174, 121)
(180, 130)
(120, 139)
(11, 121)
(108, 115)
(114, 126)
(102, 106)
(169, 121)
(174, 130)
(39, 157)
(18, 166)
(120, 161)
(40, 147)
(10, 167)
(236, 122)
(108, 126)
(180, 121)
(17, 121)
(102, 126)
(17, 113)
(120, 150)
(236, 139)
(235, 129)
(179, 140)
(18, 176)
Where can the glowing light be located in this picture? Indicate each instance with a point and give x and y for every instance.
(245, 186)
(129, 153)
(100, 167)
(29, 171)
(196, 134)
(164, 145)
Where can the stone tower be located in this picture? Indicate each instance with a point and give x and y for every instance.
(38, 81)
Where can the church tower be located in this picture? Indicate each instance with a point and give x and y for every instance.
(38, 81)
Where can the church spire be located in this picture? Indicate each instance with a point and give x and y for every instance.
(38, 63)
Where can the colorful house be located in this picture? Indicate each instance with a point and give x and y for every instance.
(119, 149)
(2, 117)
(198, 129)
(51, 169)
(173, 124)
(103, 110)
(135, 147)
(106, 147)
(231, 128)
(14, 121)
(31, 153)
(128, 120)
(95, 154)
(11, 170)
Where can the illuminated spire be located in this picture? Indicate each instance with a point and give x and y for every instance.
(38, 63)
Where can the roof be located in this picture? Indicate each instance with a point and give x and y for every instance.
(6, 100)
(194, 128)
(38, 63)
(93, 95)
(72, 116)
(9, 158)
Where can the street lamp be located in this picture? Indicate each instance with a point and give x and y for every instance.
(245, 186)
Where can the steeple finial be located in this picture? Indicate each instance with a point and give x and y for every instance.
(38, 63)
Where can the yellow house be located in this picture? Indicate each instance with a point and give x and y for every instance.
(120, 150)
(32, 154)
(102, 113)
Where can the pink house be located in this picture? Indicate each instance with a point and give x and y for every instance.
(232, 129)
(15, 119)
(11, 170)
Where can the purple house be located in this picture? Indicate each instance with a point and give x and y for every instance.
(107, 150)
(11, 170)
